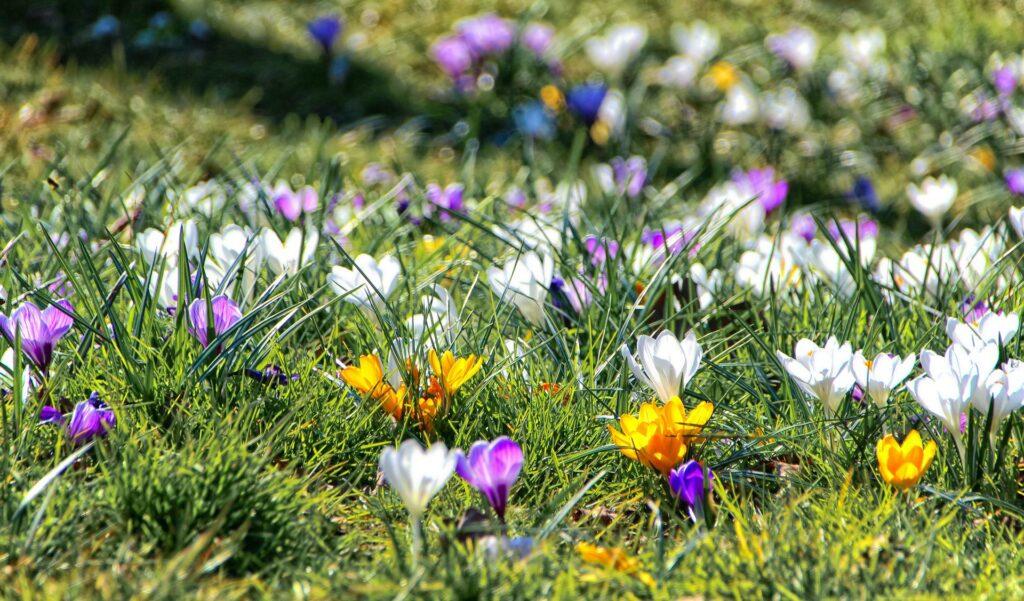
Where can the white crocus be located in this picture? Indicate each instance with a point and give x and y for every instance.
(968, 368)
(439, 322)
(879, 376)
(417, 475)
(993, 328)
(227, 248)
(524, 280)
(862, 48)
(611, 53)
(666, 364)
(287, 256)
(1006, 392)
(699, 42)
(943, 397)
(822, 372)
(154, 244)
(1017, 220)
(7, 375)
(741, 105)
(369, 283)
(933, 198)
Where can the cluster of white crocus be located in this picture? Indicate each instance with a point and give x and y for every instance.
(966, 375)
(828, 373)
(524, 281)
(665, 363)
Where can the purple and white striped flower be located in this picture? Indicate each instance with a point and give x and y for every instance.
(39, 330)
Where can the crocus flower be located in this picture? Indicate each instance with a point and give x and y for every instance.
(629, 175)
(699, 42)
(524, 280)
(691, 483)
(1004, 80)
(666, 363)
(91, 418)
(863, 193)
(902, 465)
(822, 372)
(616, 559)
(600, 249)
(324, 31)
(880, 376)
(1006, 394)
(448, 200)
(611, 53)
(369, 283)
(658, 437)
(285, 257)
(292, 204)
(537, 38)
(40, 330)
(804, 226)
(492, 468)
(585, 101)
(452, 372)
(798, 47)
(1014, 181)
(225, 314)
(934, 198)
(7, 377)
(453, 55)
(761, 184)
(487, 35)
(417, 475)
(993, 327)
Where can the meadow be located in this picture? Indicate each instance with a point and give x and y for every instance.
(412, 299)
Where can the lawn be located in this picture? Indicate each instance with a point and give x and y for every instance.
(457, 300)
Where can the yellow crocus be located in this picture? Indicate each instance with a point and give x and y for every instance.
(615, 558)
(658, 436)
(368, 379)
(723, 75)
(902, 465)
(453, 373)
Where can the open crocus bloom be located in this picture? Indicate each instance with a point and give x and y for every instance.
(286, 257)
(822, 372)
(417, 475)
(369, 283)
(658, 436)
(902, 465)
(225, 314)
(934, 198)
(992, 327)
(39, 330)
(91, 418)
(524, 280)
(879, 376)
(492, 468)
(1006, 393)
(666, 364)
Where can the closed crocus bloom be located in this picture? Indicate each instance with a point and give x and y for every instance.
(691, 483)
(293, 205)
(944, 397)
(822, 372)
(324, 31)
(902, 465)
(524, 280)
(369, 283)
(155, 245)
(227, 249)
(933, 198)
(225, 314)
(699, 42)
(1006, 394)
(417, 475)
(798, 47)
(968, 368)
(879, 376)
(666, 364)
(614, 51)
(991, 328)
(91, 418)
(285, 257)
(40, 330)
(492, 468)
(1014, 179)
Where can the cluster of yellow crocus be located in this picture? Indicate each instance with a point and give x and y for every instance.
(449, 374)
(658, 437)
(902, 465)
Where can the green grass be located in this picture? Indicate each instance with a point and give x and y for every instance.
(214, 486)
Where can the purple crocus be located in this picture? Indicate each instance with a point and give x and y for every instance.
(973, 309)
(630, 175)
(325, 30)
(1015, 181)
(292, 205)
(91, 418)
(691, 484)
(585, 101)
(1004, 80)
(537, 38)
(225, 314)
(492, 468)
(40, 330)
(448, 200)
(453, 55)
(600, 249)
(804, 226)
(487, 35)
(862, 229)
(761, 183)
(863, 193)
